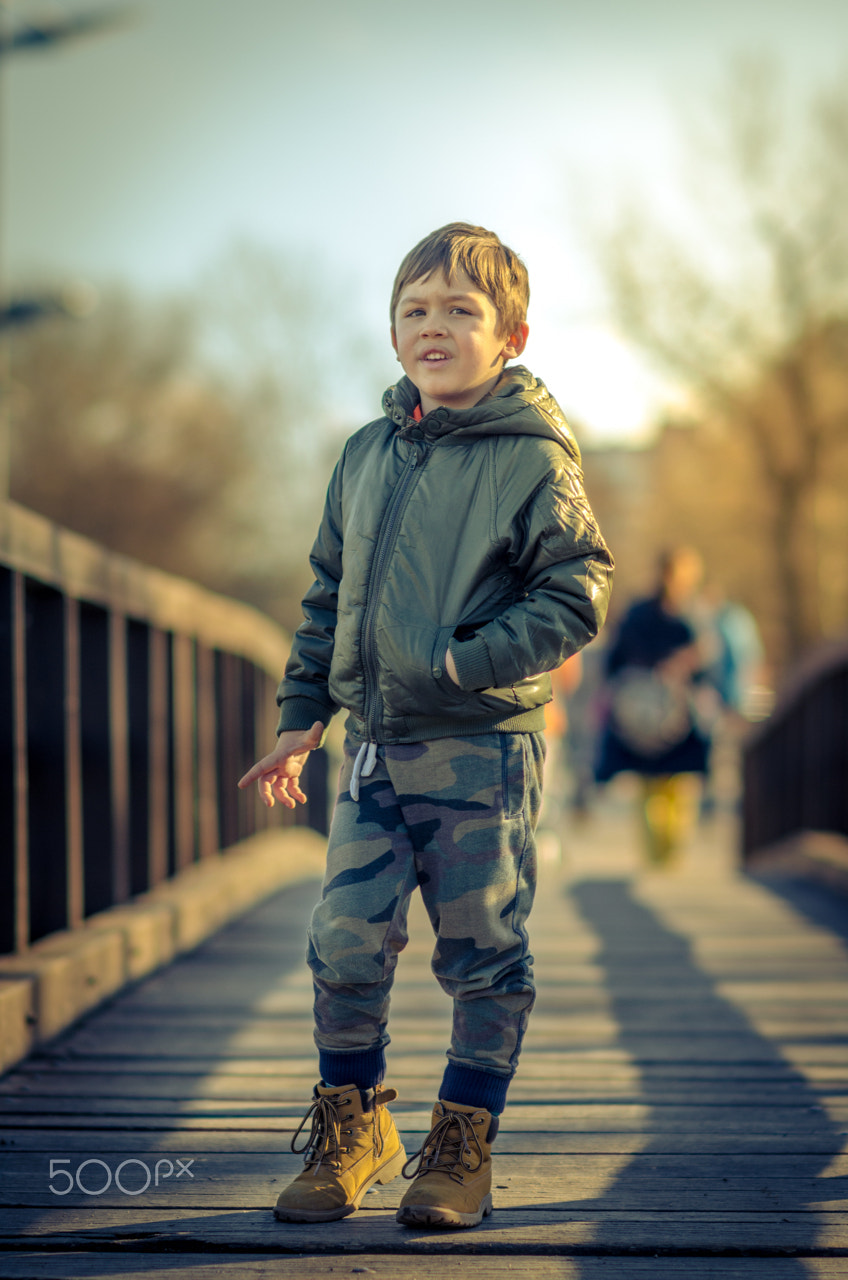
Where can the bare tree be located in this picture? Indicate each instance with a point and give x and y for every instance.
(111, 435)
(747, 308)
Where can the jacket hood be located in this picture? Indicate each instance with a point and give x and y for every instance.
(518, 404)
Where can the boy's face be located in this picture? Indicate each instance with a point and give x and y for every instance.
(446, 336)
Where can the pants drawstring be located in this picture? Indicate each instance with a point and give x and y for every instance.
(363, 767)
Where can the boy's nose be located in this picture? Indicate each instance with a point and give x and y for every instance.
(431, 326)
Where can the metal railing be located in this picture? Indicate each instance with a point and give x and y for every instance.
(130, 703)
(795, 764)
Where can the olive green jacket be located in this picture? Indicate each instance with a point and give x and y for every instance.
(467, 529)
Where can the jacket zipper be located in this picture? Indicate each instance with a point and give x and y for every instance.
(380, 562)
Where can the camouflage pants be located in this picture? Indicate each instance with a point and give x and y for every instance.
(456, 818)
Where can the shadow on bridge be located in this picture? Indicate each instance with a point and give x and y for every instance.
(680, 1032)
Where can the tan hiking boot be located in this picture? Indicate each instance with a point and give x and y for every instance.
(353, 1143)
(452, 1184)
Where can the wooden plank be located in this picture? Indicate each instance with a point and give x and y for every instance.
(102, 1084)
(241, 1140)
(555, 1067)
(257, 1266)
(622, 1130)
(562, 1027)
(518, 1232)
(238, 1181)
(728, 1170)
(561, 1114)
(661, 1129)
(265, 1038)
(417, 1072)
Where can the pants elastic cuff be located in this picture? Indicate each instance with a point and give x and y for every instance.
(471, 1088)
(363, 1068)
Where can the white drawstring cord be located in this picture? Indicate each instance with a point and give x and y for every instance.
(363, 767)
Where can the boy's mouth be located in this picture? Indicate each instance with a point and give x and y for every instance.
(434, 356)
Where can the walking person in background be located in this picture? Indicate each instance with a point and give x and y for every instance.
(736, 661)
(734, 667)
(652, 729)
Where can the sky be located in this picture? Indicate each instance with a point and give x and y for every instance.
(338, 133)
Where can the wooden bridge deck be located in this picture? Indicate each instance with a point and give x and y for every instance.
(680, 1109)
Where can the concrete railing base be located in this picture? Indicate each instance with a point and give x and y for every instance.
(61, 978)
(816, 855)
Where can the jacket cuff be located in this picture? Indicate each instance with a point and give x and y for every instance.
(473, 664)
(301, 713)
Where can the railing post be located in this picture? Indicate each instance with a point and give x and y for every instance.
(73, 766)
(14, 867)
(183, 749)
(158, 758)
(119, 757)
(230, 763)
(22, 910)
(97, 817)
(262, 739)
(249, 742)
(46, 759)
(207, 777)
(138, 753)
(7, 763)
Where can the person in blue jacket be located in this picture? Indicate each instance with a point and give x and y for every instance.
(652, 728)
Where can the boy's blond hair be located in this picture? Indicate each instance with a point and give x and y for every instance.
(488, 263)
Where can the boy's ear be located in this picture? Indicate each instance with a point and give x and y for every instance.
(516, 342)
(394, 339)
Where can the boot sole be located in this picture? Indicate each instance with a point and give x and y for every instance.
(385, 1174)
(430, 1215)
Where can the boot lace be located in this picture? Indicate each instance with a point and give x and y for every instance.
(323, 1143)
(445, 1149)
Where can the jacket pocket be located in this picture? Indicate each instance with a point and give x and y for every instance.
(413, 678)
(438, 665)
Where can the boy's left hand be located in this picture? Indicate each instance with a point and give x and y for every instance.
(278, 773)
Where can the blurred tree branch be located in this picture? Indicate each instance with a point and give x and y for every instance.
(52, 29)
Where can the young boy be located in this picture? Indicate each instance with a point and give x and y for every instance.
(457, 563)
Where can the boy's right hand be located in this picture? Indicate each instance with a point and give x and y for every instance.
(278, 773)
